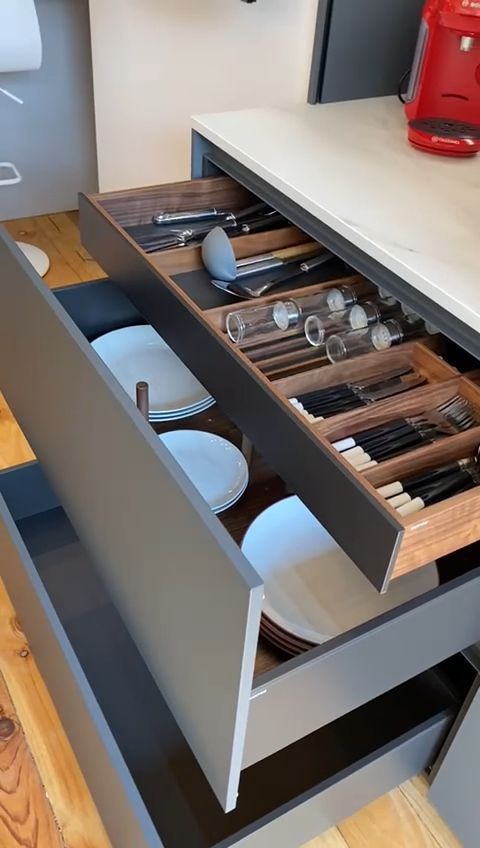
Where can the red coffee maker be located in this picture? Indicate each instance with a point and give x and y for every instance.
(443, 97)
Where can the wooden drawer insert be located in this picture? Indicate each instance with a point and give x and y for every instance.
(172, 291)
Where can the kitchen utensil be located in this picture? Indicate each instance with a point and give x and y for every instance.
(219, 258)
(395, 437)
(439, 491)
(290, 274)
(181, 238)
(312, 589)
(190, 217)
(230, 288)
(135, 354)
(324, 403)
(200, 215)
(442, 97)
(246, 288)
(217, 469)
(417, 482)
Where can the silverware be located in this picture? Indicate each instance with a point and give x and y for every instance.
(417, 483)
(288, 275)
(229, 288)
(324, 403)
(221, 263)
(169, 218)
(377, 444)
(188, 235)
(213, 214)
(446, 488)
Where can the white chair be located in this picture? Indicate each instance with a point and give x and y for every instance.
(20, 50)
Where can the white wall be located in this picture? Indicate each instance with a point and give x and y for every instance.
(157, 62)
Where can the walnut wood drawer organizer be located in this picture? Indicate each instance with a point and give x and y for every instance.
(172, 292)
(140, 543)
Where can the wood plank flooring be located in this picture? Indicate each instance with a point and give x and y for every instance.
(58, 235)
(44, 802)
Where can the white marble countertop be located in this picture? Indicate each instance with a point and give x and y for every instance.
(349, 164)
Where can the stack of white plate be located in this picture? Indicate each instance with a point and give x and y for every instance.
(135, 354)
(313, 591)
(216, 467)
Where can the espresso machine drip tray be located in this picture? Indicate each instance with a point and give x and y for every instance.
(446, 128)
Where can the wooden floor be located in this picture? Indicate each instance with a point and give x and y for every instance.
(44, 802)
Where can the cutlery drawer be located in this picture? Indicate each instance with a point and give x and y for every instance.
(147, 785)
(172, 291)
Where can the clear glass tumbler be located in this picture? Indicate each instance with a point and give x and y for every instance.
(370, 312)
(295, 311)
(247, 324)
(347, 345)
(395, 331)
(318, 328)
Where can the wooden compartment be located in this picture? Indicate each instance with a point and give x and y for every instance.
(252, 383)
(129, 207)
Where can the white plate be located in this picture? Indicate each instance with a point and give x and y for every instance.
(216, 467)
(233, 501)
(138, 353)
(176, 416)
(38, 258)
(312, 589)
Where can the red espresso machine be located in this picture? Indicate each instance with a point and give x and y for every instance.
(443, 97)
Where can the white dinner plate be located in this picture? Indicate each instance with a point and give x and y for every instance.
(233, 500)
(176, 416)
(216, 467)
(138, 353)
(312, 588)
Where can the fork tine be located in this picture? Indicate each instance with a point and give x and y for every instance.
(455, 402)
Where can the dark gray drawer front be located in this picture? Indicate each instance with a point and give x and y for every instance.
(170, 565)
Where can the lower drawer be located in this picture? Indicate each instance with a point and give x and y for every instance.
(149, 789)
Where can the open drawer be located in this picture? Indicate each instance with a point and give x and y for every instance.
(173, 292)
(188, 597)
(149, 790)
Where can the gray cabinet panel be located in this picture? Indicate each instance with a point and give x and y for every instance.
(190, 599)
(123, 812)
(362, 49)
(456, 775)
